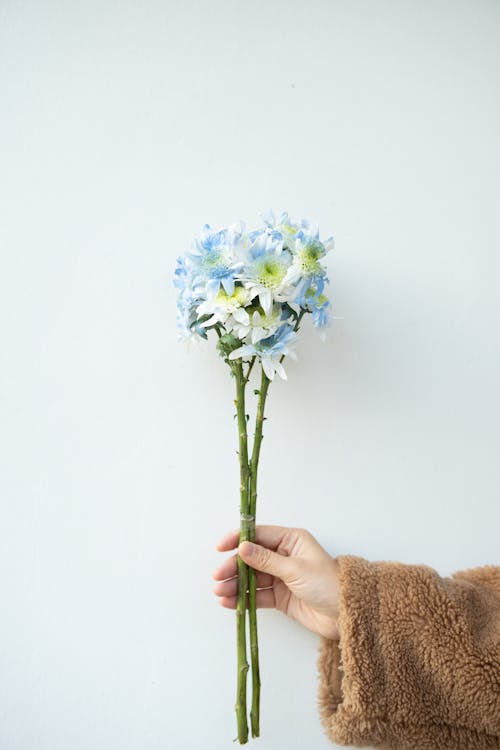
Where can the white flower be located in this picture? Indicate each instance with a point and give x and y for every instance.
(307, 252)
(259, 326)
(271, 350)
(265, 271)
(225, 305)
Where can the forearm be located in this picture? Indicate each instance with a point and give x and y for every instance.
(418, 661)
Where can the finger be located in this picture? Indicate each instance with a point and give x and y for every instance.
(263, 580)
(228, 569)
(262, 558)
(265, 600)
(268, 536)
(230, 587)
(229, 541)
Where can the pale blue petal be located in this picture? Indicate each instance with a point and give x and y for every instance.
(228, 284)
(268, 217)
(213, 286)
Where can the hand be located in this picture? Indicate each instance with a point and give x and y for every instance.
(295, 575)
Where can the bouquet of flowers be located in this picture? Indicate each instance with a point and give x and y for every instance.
(252, 289)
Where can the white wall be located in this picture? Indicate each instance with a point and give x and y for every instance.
(124, 127)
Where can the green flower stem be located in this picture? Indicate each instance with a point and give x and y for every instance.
(297, 323)
(241, 694)
(250, 367)
(252, 607)
(247, 575)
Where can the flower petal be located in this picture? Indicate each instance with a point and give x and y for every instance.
(213, 286)
(280, 370)
(258, 334)
(241, 315)
(268, 217)
(268, 367)
(291, 276)
(228, 284)
(266, 300)
(241, 352)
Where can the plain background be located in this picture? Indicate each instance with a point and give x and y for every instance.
(125, 126)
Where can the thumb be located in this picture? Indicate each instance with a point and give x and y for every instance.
(264, 559)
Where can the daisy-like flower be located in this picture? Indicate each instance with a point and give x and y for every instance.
(321, 312)
(265, 270)
(188, 326)
(187, 301)
(259, 325)
(286, 230)
(313, 300)
(249, 284)
(224, 306)
(306, 265)
(271, 350)
(214, 257)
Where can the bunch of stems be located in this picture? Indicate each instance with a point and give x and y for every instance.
(247, 583)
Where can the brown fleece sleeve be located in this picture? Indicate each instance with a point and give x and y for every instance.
(417, 666)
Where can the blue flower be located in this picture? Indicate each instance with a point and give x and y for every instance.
(187, 319)
(270, 350)
(213, 256)
(249, 283)
(306, 253)
(312, 299)
(188, 300)
(286, 230)
(265, 269)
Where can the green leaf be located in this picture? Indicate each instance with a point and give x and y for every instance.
(227, 344)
